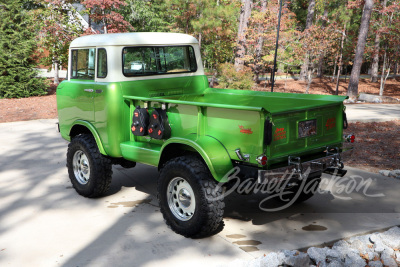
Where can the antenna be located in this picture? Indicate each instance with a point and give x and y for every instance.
(276, 46)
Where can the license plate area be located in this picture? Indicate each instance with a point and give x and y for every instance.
(307, 128)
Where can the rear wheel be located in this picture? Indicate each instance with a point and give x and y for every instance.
(189, 199)
(89, 171)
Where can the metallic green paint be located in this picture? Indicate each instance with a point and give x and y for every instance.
(109, 117)
(293, 145)
(141, 152)
(213, 122)
(92, 129)
(210, 149)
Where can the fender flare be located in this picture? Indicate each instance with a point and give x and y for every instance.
(210, 149)
(93, 131)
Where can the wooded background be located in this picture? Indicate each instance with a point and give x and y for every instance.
(237, 38)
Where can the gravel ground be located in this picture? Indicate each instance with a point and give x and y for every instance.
(373, 250)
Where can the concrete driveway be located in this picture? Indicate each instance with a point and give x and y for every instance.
(44, 222)
(372, 112)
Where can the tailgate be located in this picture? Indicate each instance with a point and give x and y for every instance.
(305, 131)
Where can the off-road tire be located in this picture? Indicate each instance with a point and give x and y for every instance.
(206, 219)
(100, 167)
(312, 181)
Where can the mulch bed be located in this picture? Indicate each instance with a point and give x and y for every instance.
(377, 145)
(31, 108)
(325, 86)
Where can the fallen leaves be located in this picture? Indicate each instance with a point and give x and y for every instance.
(377, 145)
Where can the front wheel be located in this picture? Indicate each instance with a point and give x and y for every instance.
(89, 171)
(190, 200)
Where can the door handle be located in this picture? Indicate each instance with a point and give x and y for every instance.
(88, 90)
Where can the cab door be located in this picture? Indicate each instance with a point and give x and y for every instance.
(81, 92)
(104, 104)
(100, 91)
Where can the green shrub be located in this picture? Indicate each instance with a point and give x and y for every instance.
(18, 44)
(228, 77)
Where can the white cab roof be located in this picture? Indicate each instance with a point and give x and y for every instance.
(133, 38)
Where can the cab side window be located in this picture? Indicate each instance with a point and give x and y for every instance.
(83, 64)
(156, 60)
(101, 63)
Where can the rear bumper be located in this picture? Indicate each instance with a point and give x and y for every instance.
(331, 163)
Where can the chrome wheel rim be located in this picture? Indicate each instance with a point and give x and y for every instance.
(181, 199)
(80, 163)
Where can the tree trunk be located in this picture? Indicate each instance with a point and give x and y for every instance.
(352, 91)
(320, 72)
(321, 65)
(334, 68)
(56, 73)
(375, 62)
(245, 13)
(383, 72)
(309, 22)
(384, 82)
(213, 79)
(287, 73)
(338, 78)
(260, 43)
(340, 59)
(104, 22)
(199, 40)
(310, 72)
(89, 22)
(310, 14)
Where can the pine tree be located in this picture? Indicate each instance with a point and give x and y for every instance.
(147, 16)
(17, 49)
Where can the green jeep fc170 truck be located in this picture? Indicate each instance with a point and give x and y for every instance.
(143, 97)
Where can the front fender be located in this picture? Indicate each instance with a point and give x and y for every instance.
(210, 149)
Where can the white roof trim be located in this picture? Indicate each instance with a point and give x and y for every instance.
(133, 38)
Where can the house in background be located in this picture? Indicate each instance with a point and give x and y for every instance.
(84, 20)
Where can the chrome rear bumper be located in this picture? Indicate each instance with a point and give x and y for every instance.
(331, 163)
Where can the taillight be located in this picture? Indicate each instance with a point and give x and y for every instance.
(350, 138)
(262, 160)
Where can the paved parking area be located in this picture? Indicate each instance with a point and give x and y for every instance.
(44, 222)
